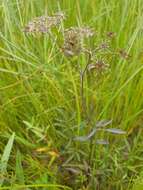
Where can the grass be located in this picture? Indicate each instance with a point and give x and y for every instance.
(40, 100)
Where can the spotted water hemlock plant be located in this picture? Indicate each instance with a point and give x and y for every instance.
(77, 42)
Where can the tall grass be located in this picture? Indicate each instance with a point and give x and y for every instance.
(40, 98)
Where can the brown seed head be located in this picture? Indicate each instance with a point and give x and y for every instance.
(99, 66)
(43, 24)
(86, 32)
(73, 38)
(72, 42)
(124, 54)
(111, 35)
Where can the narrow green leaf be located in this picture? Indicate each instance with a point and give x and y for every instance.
(19, 168)
(102, 141)
(116, 131)
(5, 158)
(103, 123)
(85, 138)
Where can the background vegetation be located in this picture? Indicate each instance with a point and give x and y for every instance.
(40, 99)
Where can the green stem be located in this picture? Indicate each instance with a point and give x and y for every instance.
(83, 73)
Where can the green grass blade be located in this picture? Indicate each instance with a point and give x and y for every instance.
(5, 158)
(19, 168)
(18, 187)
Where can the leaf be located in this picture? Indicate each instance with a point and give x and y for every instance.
(91, 67)
(25, 142)
(53, 153)
(85, 138)
(19, 168)
(82, 138)
(36, 130)
(29, 125)
(73, 170)
(103, 123)
(116, 131)
(102, 141)
(5, 158)
(42, 149)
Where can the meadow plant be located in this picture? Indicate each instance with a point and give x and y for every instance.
(76, 43)
(70, 86)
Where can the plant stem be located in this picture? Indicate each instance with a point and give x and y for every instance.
(83, 103)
